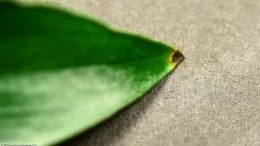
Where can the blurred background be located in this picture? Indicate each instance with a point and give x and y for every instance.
(213, 98)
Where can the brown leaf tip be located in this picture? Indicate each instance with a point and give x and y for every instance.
(177, 58)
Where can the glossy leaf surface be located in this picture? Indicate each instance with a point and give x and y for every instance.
(61, 74)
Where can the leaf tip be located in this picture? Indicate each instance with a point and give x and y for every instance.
(176, 58)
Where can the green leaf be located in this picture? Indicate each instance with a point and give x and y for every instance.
(61, 74)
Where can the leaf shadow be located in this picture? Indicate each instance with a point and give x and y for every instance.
(107, 132)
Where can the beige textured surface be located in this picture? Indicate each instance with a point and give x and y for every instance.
(213, 98)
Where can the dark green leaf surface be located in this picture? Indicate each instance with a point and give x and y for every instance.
(61, 74)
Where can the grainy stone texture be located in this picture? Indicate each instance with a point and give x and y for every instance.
(213, 98)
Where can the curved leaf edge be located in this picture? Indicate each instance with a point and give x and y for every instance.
(175, 58)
